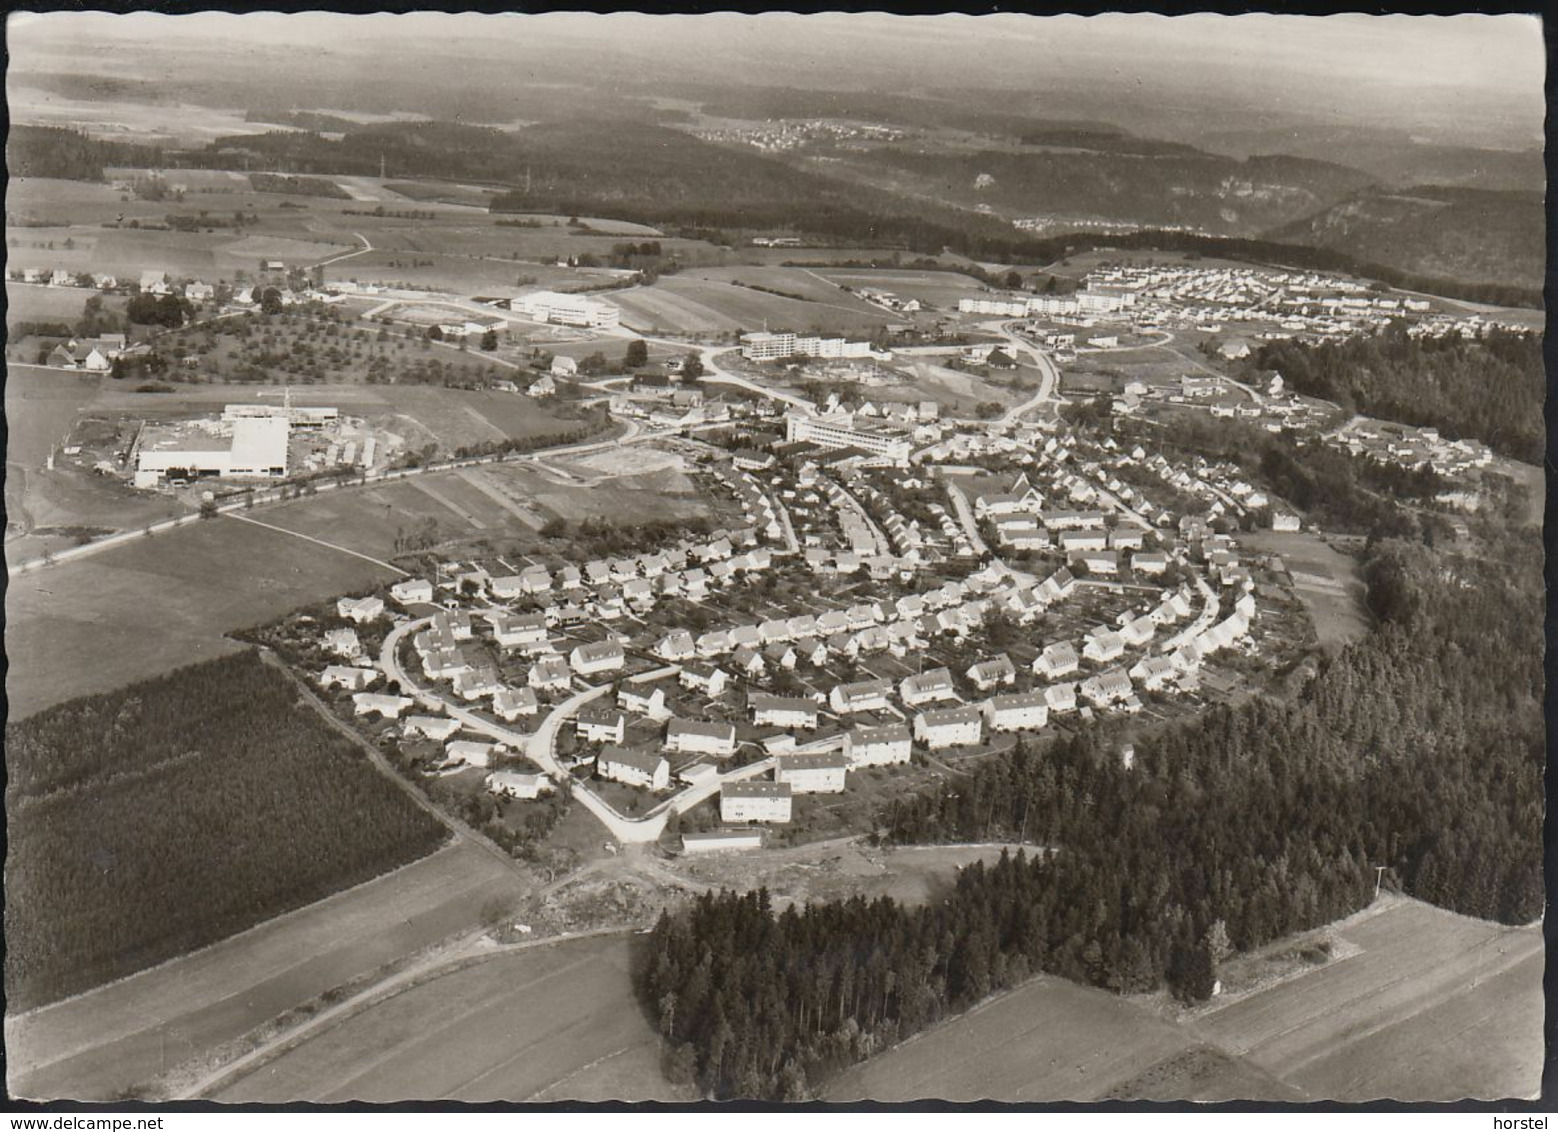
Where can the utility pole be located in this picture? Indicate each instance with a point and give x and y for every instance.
(381, 165)
(1379, 875)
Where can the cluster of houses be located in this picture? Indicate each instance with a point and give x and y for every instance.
(1386, 442)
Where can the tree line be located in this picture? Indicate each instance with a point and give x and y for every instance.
(1419, 749)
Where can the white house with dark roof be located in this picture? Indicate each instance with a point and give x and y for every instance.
(510, 704)
(1018, 711)
(634, 768)
(599, 724)
(887, 745)
(864, 695)
(949, 727)
(927, 687)
(596, 657)
(755, 801)
(781, 711)
(1059, 659)
(820, 772)
(550, 672)
(700, 737)
(993, 673)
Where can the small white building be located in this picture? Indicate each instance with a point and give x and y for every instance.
(721, 841)
(352, 679)
(411, 591)
(516, 784)
(927, 687)
(390, 707)
(470, 752)
(865, 695)
(436, 727)
(601, 724)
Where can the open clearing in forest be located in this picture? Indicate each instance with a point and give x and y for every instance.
(1326, 580)
(99, 1044)
(941, 289)
(156, 603)
(1424, 1005)
(550, 1023)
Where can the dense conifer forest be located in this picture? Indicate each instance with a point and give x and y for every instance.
(156, 819)
(1420, 748)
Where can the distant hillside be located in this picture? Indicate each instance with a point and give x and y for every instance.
(1475, 235)
(1116, 179)
(49, 151)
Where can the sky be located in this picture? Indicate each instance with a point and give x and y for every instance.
(1386, 69)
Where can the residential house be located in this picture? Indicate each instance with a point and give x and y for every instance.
(703, 678)
(700, 737)
(352, 679)
(1103, 645)
(343, 642)
(755, 802)
(865, 695)
(1061, 698)
(516, 784)
(878, 746)
(360, 610)
(642, 699)
(598, 724)
(390, 707)
(550, 672)
(635, 768)
(927, 687)
(949, 727)
(412, 591)
(781, 711)
(993, 673)
(821, 772)
(510, 704)
(1057, 660)
(1106, 688)
(1018, 711)
(436, 727)
(470, 752)
(596, 657)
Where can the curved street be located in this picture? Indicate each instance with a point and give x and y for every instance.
(538, 747)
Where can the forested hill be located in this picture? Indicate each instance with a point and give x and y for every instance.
(48, 151)
(1148, 185)
(1420, 748)
(1490, 389)
(1479, 235)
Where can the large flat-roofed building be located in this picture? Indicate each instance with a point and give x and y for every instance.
(248, 447)
(766, 346)
(569, 310)
(842, 432)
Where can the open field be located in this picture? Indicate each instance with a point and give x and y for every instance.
(1422, 1005)
(1462, 995)
(156, 603)
(1326, 581)
(31, 302)
(801, 281)
(1049, 1040)
(97, 1045)
(543, 1024)
(941, 289)
(167, 123)
(678, 303)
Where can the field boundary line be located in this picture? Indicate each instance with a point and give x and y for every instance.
(334, 896)
(319, 542)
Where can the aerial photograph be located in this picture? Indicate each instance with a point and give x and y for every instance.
(846, 558)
